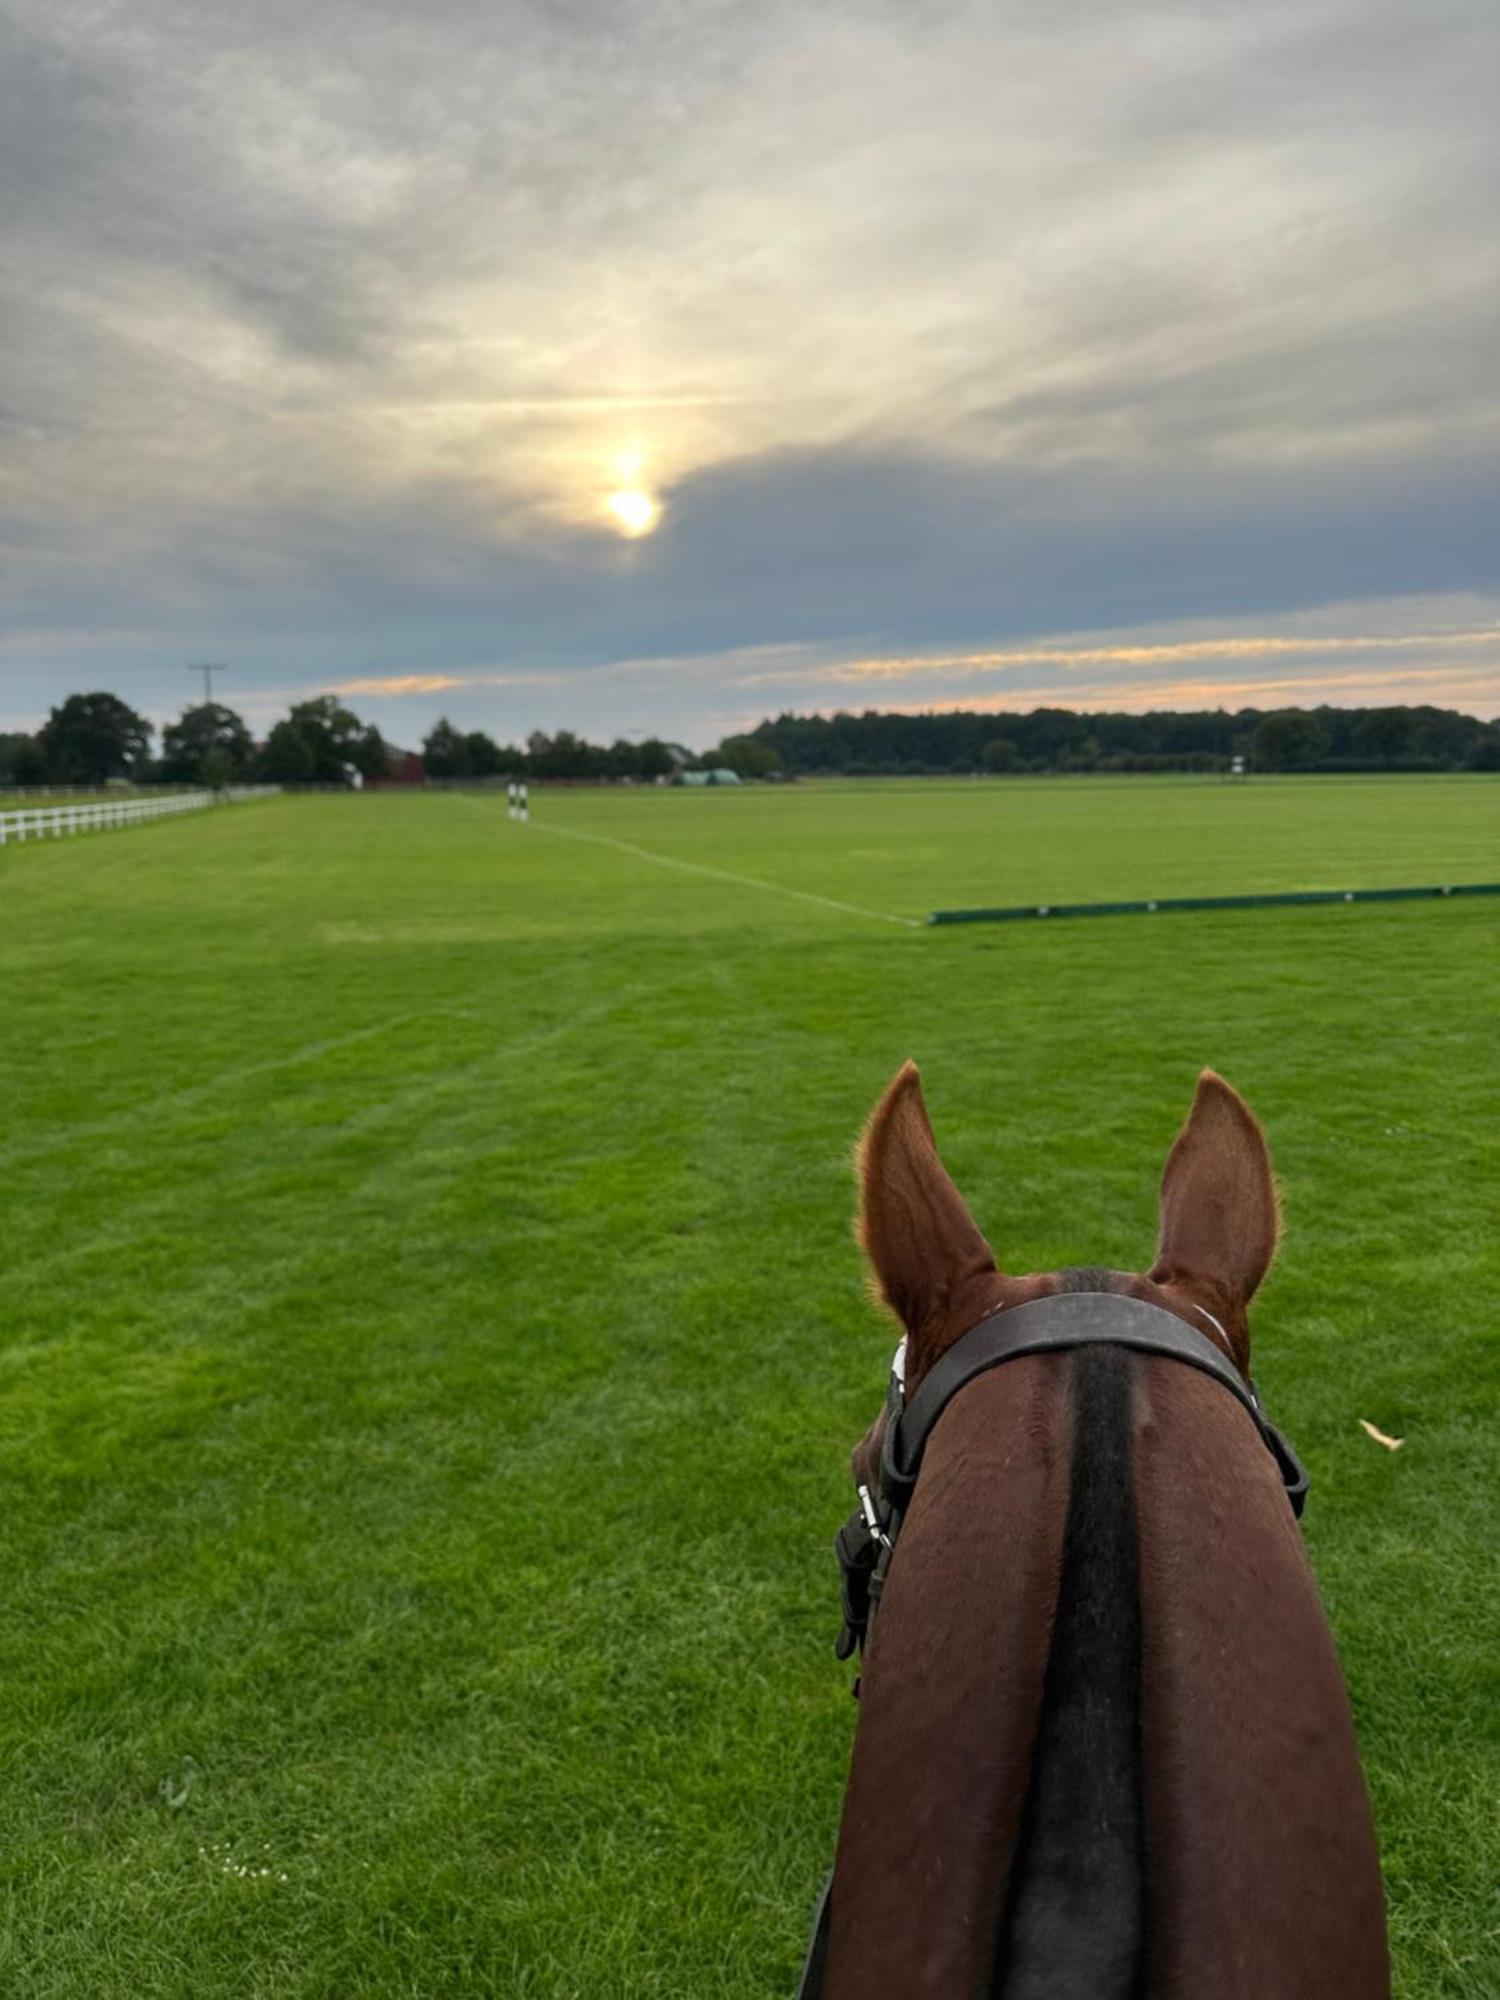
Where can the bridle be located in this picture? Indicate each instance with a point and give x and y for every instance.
(1055, 1324)
(1061, 1321)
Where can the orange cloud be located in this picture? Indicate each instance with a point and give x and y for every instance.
(402, 684)
(1446, 686)
(1168, 653)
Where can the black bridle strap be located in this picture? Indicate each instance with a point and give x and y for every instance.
(815, 1965)
(1060, 1321)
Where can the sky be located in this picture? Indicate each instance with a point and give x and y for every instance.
(654, 366)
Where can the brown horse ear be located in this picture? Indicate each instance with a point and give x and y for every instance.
(1219, 1218)
(924, 1248)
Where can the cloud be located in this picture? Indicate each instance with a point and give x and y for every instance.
(398, 684)
(1447, 649)
(1444, 686)
(939, 328)
(952, 667)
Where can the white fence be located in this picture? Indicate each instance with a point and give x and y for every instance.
(94, 815)
(16, 795)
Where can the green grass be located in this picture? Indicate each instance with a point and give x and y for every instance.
(432, 1339)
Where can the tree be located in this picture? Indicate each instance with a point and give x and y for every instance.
(565, 756)
(287, 756)
(207, 744)
(1289, 739)
(368, 753)
(92, 738)
(654, 759)
(1383, 734)
(18, 757)
(216, 770)
(1051, 733)
(445, 751)
(1000, 754)
(489, 759)
(1440, 738)
(749, 757)
(332, 738)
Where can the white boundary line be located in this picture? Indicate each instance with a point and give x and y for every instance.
(724, 875)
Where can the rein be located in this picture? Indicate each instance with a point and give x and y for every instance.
(1055, 1324)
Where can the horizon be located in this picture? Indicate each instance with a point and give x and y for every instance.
(653, 374)
(519, 740)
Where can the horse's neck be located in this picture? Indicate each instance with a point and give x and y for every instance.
(950, 1695)
(1260, 1850)
(1259, 1874)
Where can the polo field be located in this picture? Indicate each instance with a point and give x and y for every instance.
(434, 1337)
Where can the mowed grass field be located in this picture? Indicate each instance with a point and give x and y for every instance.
(432, 1339)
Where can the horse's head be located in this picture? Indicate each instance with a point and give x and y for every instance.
(1092, 1659)
(931, 1266)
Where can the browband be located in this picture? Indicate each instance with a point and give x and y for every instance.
(1063, 1320)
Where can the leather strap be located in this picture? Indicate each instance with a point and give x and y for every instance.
(811, 1983)
(1064, 1320)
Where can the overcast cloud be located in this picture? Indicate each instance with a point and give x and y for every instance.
(993, 355)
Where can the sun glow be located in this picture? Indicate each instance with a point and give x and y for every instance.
(635, 511)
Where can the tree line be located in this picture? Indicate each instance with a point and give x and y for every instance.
(1045, 740)
(97, 739)
(457, 754)
(92, 739)
(1062, 740)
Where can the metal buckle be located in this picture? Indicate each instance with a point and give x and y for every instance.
(872, 1518)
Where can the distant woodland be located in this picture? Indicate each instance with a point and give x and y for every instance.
(1062, 739)
(97, 739)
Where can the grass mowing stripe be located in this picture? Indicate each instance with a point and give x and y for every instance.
(131, 1210)
(725, 875)
(227, 1079)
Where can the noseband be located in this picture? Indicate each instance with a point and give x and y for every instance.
(1049, 1325)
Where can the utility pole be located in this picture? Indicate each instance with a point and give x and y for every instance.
(208, 668)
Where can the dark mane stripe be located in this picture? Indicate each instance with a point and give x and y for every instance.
(1074, 1925)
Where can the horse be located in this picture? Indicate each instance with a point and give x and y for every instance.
(1104, 1748)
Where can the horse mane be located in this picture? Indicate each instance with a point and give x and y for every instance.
(1075, 1917)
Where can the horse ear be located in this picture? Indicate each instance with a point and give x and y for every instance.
(1219, 1218)
(923, 1246)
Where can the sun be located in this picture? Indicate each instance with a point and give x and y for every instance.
(635, 511)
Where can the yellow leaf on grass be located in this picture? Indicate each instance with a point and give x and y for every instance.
(1391, 1444)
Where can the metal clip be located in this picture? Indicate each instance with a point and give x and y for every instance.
(872, 1519)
